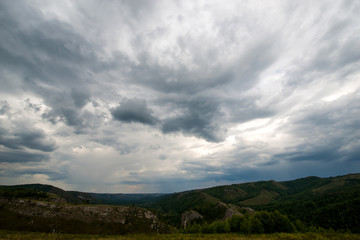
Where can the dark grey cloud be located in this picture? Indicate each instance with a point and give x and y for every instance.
(65, 109)
(80, 97)
(71, 56)
(68, 107)
(133, 110)
(311, 153)
(35, 50)
(198, 113)
(198, 117)
(168, 80)
(53, 64)
(242, 74)
(245, 109)
(20, 156)
(26, 138)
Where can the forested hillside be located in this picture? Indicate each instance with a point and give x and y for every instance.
(324, 202)
(329, 203)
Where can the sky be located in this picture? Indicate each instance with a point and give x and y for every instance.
(135, 96)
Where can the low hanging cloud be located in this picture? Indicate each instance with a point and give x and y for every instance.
(132, 111)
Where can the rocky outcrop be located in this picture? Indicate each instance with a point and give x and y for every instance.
(119, 219)
(224, 211)
(188, 217)
(248, 210)
(230, 210)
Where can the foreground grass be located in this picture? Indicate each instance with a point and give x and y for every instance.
(13, 235)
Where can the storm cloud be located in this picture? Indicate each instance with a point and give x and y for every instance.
(32, 139)
(133, 110)
(154, 96)
(21, 157)
(197, 117)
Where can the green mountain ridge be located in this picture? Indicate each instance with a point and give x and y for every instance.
(332, 202)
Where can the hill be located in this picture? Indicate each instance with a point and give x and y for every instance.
(332, 202)
(34, 215)
(60, 194)
(77, 197)
(325, 202)
(45, 208)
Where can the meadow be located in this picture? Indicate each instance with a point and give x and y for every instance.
(15, 235)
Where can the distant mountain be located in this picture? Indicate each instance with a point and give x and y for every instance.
(62, 195)
(332, 202)
(76, 197)
(116, 198)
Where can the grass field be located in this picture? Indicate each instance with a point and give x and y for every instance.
(12, 235)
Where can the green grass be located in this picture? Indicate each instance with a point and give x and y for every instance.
(14, 235)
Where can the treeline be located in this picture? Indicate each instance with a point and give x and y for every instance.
(337, 210)
(11, 193)
(260, 222)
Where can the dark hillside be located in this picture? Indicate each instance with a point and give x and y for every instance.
(329, 203)
(180, 202)
(305, 184)
(66, 196)
(326, 202)
(76, 197)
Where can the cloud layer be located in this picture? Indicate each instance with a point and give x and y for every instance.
(162, 96)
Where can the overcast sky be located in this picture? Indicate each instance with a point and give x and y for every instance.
(164, 96)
